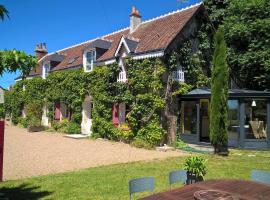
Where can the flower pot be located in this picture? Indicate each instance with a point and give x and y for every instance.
(193, 178)
(35, 128)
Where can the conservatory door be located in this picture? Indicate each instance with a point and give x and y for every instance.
(204, 111)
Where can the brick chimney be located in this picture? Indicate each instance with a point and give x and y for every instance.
(41, 50)
(135, 19)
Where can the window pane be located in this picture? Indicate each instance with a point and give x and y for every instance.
(89, 60)
(255, 119)
(188, 123)
(233, 122)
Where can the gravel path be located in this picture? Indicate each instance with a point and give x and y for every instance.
(34, 154)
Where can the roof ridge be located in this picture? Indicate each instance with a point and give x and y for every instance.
(171, 13)
(123, 29)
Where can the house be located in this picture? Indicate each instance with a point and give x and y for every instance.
(249, 111)
(156, 37)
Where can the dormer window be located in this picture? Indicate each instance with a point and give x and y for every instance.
(178, 75)
(46, 70)
(89, 58)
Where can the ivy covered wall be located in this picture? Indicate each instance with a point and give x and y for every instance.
(150, 92)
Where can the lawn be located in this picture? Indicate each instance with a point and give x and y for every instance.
(111, 182)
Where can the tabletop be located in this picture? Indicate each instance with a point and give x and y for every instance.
(240, 189)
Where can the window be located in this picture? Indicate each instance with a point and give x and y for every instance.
(122, 77)
(256, 119)
(46, 70)
(89, 58)
(188, 117)
(178, 75)
(233, 122)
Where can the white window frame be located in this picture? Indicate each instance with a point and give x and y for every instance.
(178, 75)
(122, 76)
(92, 61)
(44, 74)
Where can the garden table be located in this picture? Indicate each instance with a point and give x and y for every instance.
(210, 190)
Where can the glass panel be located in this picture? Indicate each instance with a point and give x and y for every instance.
(233, 122)
(188, 121)
(90, 56)
(255, 119)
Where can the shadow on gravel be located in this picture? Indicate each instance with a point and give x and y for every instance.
(22, 192)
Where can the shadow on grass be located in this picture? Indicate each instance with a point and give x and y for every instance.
(22, 192)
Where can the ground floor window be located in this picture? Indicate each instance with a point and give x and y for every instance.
(233, 119)
(188, 117)
(255, 119)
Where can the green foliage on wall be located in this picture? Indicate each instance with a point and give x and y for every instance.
(219, 96)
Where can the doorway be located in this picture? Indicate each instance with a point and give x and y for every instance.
(204, 120)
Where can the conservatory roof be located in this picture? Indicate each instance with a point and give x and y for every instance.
(233, 93)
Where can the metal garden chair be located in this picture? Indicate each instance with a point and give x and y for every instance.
(141, 185)
(177, 176)
(260, 176)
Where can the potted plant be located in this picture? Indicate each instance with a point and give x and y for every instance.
(196, 169)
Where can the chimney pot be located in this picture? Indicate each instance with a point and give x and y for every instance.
(135, 19)
(41, 50)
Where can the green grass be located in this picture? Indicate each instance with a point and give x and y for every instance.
(111, 182)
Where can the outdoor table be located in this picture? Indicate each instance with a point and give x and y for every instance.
(217, 189)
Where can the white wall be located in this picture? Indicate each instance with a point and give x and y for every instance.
(86, 116)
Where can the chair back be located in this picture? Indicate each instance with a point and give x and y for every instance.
(260, 176)
(178, 176)
(141, 185)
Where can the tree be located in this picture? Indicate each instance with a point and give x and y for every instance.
(14, 60)
(217, 10)
(3, 12)
(247, 33)
(219, 95)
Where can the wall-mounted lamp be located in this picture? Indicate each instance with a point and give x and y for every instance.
(253, 103)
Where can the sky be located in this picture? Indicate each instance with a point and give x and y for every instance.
(63, 23)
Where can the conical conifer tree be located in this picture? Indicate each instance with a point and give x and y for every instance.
(219, 96)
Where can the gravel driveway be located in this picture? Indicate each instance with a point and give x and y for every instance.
(34, 154)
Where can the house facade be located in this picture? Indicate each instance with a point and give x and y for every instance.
(155, 38)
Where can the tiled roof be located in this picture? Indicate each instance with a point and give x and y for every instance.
(153, 35)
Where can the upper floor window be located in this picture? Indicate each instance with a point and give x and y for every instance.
(122, 77)
(46, 70)
(178, 75)
(89, 58)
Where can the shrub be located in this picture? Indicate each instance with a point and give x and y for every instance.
(151, 133)
(138, 142)
(23, 122)
(195, 165)
(72, 128)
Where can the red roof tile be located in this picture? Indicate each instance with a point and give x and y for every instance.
(155, 34)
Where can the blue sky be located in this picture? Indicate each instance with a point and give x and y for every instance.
(62, 23)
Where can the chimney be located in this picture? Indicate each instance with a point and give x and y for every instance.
(41, 50)
(135, 19)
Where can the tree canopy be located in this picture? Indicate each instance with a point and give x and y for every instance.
(3, 12)
(13, 60)
(247, 34)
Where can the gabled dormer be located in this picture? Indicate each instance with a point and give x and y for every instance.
(129, 45)
(93, 51)
(50, 62)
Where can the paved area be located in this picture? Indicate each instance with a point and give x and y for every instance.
(34, 154)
